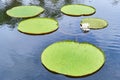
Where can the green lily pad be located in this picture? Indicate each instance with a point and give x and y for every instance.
(38, 26)
(72, 58)
(25, 11)
(95, 23)
(78, 10)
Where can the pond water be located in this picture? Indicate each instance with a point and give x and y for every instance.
(20, 53)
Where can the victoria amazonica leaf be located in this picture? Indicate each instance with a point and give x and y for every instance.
(25, 11)
(95, 23)
(78, 10)
(72, 58)
(38, 26)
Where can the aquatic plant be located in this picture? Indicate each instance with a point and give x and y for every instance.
(73, 58)
(25, 11)
(78, 10)
(95, 23)
(38, 26)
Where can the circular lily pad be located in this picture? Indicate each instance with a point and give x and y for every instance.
(38, 26)
(25, 11)
(78, 10)
(95, 23)
(73, 58)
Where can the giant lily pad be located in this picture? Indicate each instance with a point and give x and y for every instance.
(78, 10)
(38, 26)
(25, 11)
(95, 23)
(73, 58)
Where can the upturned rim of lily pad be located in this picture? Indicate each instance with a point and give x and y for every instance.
(23, 16)
(87, 14)
(38, 33)
(44, 61)
(93, 18)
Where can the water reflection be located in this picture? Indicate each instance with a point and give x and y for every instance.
(20, 53)
(52, 8)
(29, 2)
(4, 3)
(4, 18)
(115, 2)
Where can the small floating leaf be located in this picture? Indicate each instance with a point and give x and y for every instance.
(73, 58)
(25, 11)
(78, 10)
(38, 26)
(95, 23)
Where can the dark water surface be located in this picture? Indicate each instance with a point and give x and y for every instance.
(20, 53)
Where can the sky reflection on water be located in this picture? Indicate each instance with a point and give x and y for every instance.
(20, 53)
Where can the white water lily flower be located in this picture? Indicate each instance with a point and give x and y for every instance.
(85, 27)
